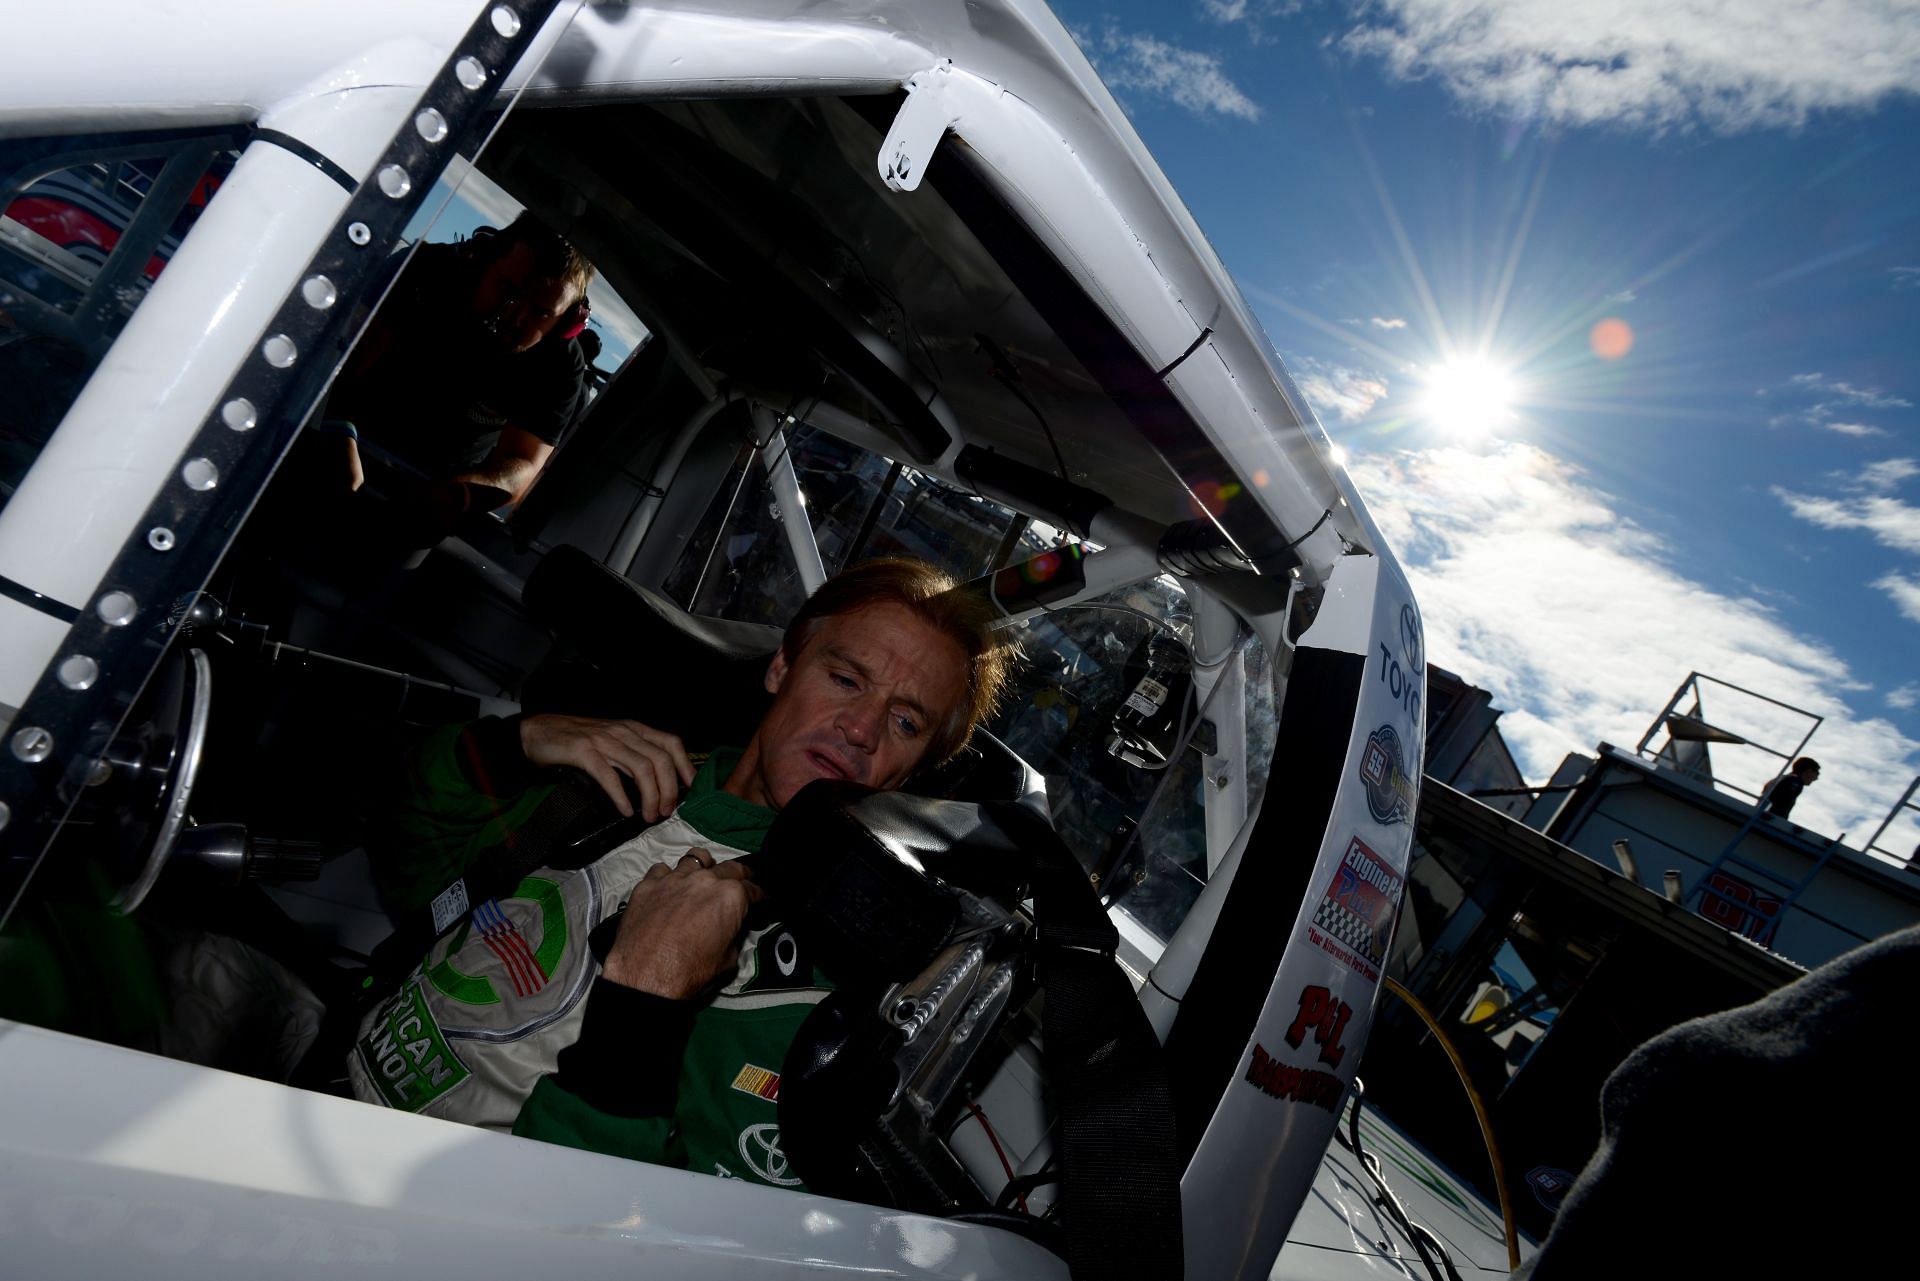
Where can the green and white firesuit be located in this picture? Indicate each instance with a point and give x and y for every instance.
(507, 1023)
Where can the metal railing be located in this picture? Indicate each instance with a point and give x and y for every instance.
(1690, 729)
(1906, 802)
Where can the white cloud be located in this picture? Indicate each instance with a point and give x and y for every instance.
(1336, 391)
(1869, 504)
(1832, 397)
(1535, 588)
(1888, 472)
(1624, 296)
(1905, 697)
(1905, 277)
(1382, 322)
(1659, 64)
(1252, 14)
(1891, 522)
(1194, 80)
(1846, 393)
(1905, 593)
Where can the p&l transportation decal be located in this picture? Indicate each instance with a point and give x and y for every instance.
(1292, 1084)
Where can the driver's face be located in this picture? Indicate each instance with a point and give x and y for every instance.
(519, 305)
(861, 703)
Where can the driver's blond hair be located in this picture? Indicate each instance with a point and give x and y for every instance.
(930, 595)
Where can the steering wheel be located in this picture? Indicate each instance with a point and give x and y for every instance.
(151, 767)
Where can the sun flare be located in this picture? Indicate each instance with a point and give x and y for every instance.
(1468, 396)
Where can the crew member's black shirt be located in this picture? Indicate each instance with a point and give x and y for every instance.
(430, 385)
(1785, 792)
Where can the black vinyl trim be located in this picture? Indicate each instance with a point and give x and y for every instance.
(1250, 938)
(693, 195)
(1123, 372)
(287, 142)
(34, 600)
(1030, 489)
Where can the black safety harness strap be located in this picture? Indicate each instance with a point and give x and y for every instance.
(573, 826)
(1119, 1173)
(576, 822)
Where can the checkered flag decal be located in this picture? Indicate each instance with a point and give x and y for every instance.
(1349, 927)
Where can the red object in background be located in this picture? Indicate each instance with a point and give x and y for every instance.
(1750, 912)
(75, 214)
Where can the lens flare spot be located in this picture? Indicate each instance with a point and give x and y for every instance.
(1260, 478)
(1210, 497)
(1611, 339)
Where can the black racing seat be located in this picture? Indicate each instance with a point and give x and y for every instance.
(624, 650)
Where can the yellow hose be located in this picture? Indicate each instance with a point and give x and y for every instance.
(1479, 1112)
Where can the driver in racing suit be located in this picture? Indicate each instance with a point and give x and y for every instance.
(582, 1008)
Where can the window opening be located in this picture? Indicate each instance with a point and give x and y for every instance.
(1075, 714)
(88, 224)
(858, 505)
(789, 501)
(739, 563)
(872, 516)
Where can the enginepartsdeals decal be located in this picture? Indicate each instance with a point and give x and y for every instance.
(1383, 774)
(1354, 922)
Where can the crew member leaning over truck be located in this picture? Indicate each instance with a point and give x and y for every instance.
(471, 368)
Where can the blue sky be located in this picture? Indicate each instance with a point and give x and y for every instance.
(1406, 185)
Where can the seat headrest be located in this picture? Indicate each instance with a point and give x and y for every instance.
(630, 652)
(606, 614)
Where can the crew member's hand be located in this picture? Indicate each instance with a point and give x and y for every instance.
(682, 927)
(655, 761)
(356, 474)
